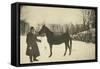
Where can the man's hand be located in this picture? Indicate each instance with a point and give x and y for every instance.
(30, 48)
(39, 40)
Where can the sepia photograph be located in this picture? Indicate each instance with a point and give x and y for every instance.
(57, 34)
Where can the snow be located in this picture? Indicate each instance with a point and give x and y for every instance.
(80, 51)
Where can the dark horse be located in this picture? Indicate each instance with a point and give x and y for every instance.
(55, 40)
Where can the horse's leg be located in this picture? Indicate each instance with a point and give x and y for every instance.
(65, 48)
(50, 50)
(69, 49)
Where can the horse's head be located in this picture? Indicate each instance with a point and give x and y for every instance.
(45, 31)
(42, 30)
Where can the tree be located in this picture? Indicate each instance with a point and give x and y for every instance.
(88, 18)
(24, 27)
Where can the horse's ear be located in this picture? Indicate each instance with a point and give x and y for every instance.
(44, 25)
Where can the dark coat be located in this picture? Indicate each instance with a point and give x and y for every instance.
(31, 42)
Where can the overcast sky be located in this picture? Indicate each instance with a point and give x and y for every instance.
(50, 15)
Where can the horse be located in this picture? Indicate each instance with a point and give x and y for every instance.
(56, 39)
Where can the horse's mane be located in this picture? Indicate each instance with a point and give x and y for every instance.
(48, 30)
(54, 33)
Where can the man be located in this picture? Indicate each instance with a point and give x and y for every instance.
(32, 48)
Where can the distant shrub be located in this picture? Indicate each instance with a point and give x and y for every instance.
(86, 36)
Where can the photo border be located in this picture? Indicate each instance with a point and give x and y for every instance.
(18, 4)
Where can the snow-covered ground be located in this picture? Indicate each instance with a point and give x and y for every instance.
(80, 51)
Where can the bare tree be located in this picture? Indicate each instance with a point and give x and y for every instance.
(88, 18)
(24, 27)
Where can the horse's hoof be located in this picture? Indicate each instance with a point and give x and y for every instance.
(69, 53)
(64, 54)
(49, 56)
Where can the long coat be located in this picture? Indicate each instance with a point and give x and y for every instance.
(31, 42)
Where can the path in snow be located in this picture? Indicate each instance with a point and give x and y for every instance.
(80, 51)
